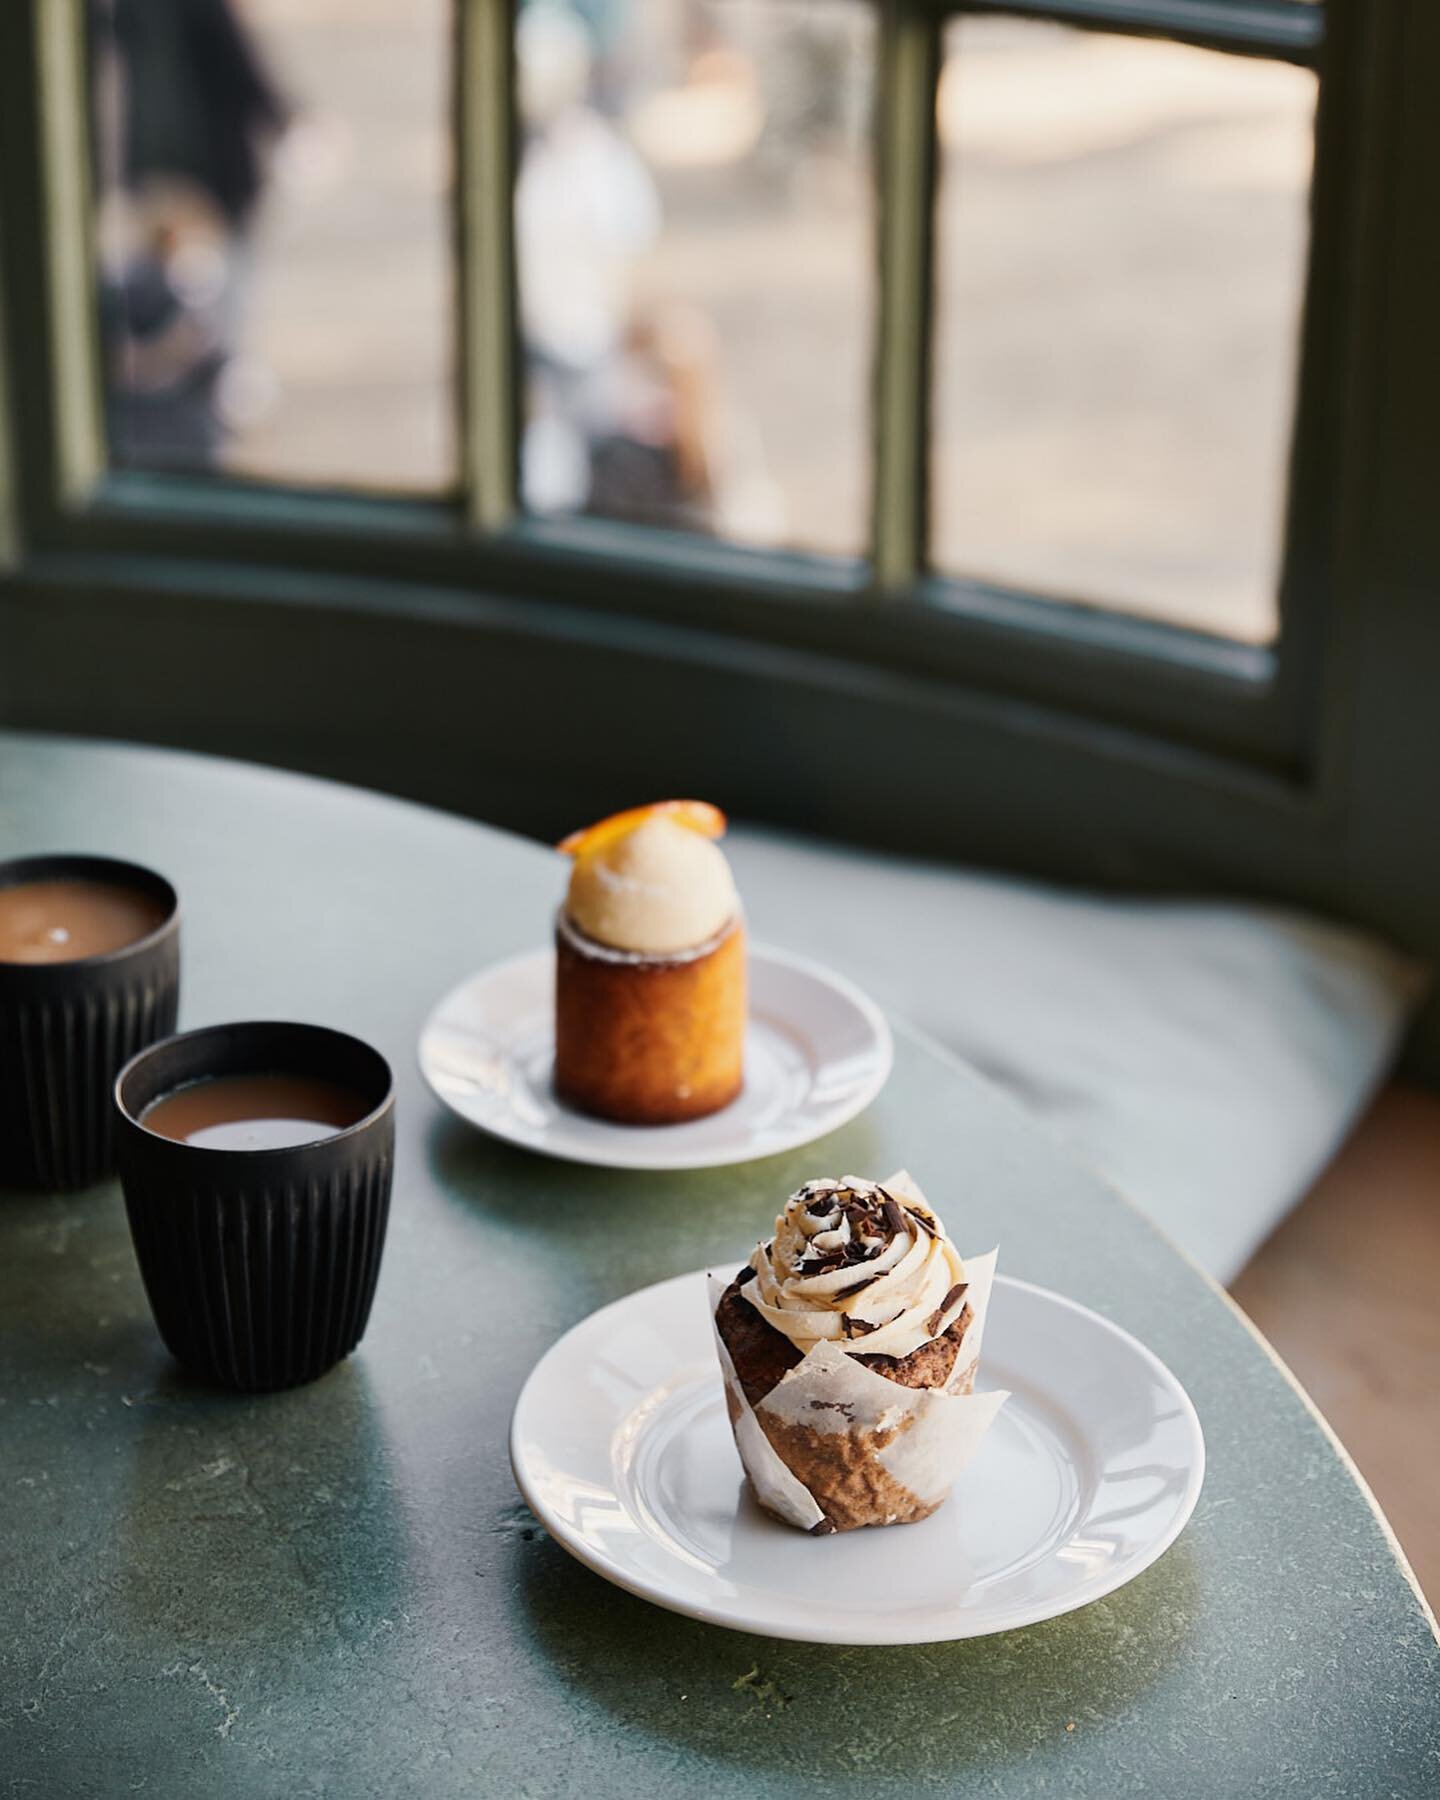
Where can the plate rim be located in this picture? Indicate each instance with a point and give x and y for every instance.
(721, 1157)
(1097, 1589)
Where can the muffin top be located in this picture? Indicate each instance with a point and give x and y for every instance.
(657, 888)
(856, 1264)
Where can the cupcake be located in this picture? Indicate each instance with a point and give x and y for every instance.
(650, 968)
(849, 1345)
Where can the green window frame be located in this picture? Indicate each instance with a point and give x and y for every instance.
(1197, 689)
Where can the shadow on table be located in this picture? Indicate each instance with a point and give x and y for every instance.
(72, 1310)
(906, 1715)
(149, 1499)
(261, 1518)
(699, 1213)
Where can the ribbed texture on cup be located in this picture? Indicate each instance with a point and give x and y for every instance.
(59, 1056)
(265, 1287)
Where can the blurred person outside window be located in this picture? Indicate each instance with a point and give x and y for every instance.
(186, 117)
(617, 413)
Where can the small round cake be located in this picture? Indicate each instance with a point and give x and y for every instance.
(650, 969)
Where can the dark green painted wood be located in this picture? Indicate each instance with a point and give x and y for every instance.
(1287, 30)
(1387, 708)
(1404, 501)
(535, 716)
(486, 132)
(24, 255)
(334, 1591)
(1186, 685)
(905, 134)
(61, 80)
(10, 541)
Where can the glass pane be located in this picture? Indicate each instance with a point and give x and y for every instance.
(694, 230)
(275, 239)
(1121, 242)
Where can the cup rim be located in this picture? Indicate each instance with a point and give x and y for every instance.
(307, 1028)
(78, 863)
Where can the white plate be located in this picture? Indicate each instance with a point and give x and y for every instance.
(817, 1051)
(621, 1446)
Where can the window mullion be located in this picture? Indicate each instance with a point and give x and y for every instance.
(63, 88)
(909, 63)
(485, 104)
(9, 496)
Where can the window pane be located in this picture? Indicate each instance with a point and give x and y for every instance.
(1121, 241)
(274, 237)
(694, 230)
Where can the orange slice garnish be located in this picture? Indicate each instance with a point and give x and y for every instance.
(694, 815)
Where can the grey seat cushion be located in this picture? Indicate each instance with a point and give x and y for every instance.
(1207, 1057)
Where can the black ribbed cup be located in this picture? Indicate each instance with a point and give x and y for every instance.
(67, 1028)
(260, 1265)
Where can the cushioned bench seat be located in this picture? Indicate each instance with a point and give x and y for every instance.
(1208, 1058)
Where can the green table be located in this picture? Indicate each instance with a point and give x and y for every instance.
(335, 1591)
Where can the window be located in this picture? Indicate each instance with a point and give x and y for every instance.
(272, 238)
(840, 495)
(964, 340)
(1120, 248)
(694, 219)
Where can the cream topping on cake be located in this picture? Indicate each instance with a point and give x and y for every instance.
(658, 889)
(856, 1265)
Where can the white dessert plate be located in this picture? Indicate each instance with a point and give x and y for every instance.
(817, 1051)
(621, 1446)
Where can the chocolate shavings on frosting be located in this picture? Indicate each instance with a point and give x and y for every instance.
(843, 1257)
(869, 1219)
(874, 1217)
(932, 1324)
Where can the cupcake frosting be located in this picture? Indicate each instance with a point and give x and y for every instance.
(658, 889)
(855, 1264)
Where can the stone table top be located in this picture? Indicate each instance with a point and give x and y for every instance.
(335, 1590)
